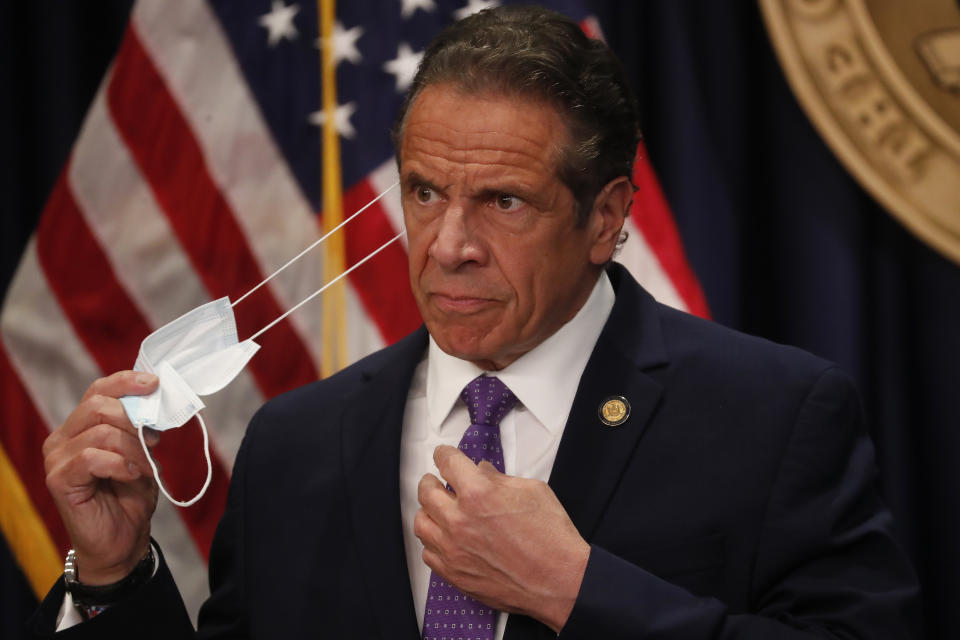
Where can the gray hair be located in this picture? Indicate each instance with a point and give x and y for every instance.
(542, 55)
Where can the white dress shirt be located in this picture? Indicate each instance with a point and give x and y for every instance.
(545, 381)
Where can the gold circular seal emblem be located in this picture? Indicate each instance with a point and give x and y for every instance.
(881, 82)
(614, 411)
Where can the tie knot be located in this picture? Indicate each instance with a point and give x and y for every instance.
(487, 400)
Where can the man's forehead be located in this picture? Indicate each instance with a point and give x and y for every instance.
(492, 124)
(463, 146)
(437, 95)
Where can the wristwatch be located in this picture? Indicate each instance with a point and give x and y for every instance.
(107, 594)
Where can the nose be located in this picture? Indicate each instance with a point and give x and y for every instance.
(456, 242)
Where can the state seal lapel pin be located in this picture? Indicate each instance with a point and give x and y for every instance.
(614, 411)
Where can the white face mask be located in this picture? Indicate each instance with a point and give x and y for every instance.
(199, 354)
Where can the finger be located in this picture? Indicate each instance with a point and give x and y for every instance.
(90, 465)
(427, 530)
(99, 405)
(107, 438)
(94, 410)
(429, 483)
(460, 577)
(433, 496)
(454, 465)
(486, 467)
(432, 559)
(123, 383)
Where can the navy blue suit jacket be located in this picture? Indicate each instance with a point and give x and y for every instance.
(737, 501)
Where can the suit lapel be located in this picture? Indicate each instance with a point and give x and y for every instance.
(371, 427)
(592, 456)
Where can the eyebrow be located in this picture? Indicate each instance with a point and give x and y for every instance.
(415, 178)
(513, 189)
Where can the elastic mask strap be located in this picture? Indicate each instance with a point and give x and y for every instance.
(156, 474)
(316, 243)
(329, 284)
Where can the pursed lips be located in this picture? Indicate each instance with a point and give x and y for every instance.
(460, 303)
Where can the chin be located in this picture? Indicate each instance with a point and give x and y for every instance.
(466, 345)
(463, 349)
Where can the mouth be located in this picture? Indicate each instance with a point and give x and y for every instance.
(460, 304)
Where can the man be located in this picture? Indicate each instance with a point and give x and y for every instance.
(702, 483)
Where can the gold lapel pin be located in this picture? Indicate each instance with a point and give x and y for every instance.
(614, 411)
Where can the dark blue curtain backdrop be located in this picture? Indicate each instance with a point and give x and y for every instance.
(785, 242)
(52, 57)
(788, 246)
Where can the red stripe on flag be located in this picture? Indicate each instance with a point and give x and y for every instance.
(22, 437)
(111, 328)
(591, 26)
(383, 284)
(652, 215)
(161, 141)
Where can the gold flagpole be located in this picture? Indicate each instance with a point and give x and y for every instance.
(334, 355)
(25, 531)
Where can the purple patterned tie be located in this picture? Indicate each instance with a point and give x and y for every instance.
(451, 615)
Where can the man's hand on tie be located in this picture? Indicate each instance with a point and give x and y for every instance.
(505, 541)
(101, 481)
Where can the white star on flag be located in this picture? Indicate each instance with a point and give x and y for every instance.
(279, 22)
(341, 119)
(474, 6)
(404, 66)
(344, 43)
(410, 6)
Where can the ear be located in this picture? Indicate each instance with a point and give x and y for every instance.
(607, 217)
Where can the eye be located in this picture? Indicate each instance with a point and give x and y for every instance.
(424, 195)
(507, 202)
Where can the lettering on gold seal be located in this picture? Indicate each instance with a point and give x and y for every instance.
(882, 85)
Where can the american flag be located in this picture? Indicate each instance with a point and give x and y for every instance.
(198, 172)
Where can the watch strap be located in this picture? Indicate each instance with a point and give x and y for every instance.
(97, 596)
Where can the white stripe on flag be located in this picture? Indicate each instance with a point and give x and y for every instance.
(643, 264)
(380, 179)
(52, 363)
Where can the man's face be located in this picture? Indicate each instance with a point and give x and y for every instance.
(497, 260)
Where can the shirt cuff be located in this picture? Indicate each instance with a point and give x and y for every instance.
(69, 615)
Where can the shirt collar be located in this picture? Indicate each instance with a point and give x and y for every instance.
(545, 379)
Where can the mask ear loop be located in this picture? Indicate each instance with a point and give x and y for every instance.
(329, 284)
(156, 473)
(203, 426)
(342, 275)
(316, 243)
